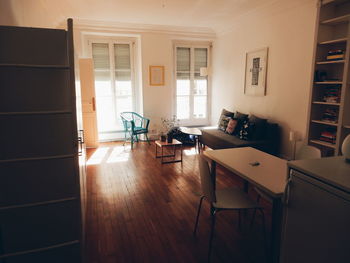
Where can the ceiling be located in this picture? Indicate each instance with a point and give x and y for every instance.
(214, 15)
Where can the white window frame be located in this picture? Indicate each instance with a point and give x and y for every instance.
(192, 121)
(118, 40)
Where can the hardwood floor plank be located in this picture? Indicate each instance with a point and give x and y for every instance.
(139, 210)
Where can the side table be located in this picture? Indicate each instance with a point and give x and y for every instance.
(175, 144)
(195, 132)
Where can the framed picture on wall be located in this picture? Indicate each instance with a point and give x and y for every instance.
(156, 75)
(255, 72)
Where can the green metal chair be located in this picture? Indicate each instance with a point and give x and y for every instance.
(134, 125)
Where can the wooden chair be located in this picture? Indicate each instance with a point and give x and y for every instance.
(134, 125)
(221, 200)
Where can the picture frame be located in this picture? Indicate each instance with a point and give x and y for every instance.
(256, 72)
(156, 76)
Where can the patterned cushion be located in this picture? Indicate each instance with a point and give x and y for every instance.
(223, 119)
(241, 118)
(247, 131)
(223, 123)
(231, 126)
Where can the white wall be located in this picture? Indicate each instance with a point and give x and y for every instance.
(287, 29)
(158, 100)
(153, 48)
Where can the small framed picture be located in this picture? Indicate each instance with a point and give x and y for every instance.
(255, 72)
(156, 75)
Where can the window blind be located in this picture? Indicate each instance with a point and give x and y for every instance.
(100, 55)
(183, 59)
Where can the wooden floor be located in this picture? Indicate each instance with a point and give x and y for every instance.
(139, 210)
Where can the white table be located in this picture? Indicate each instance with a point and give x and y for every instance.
(262, 170)
(195, 132)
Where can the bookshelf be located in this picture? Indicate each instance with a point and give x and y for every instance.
(329, 116)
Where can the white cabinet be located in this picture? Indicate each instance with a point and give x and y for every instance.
(317, 212)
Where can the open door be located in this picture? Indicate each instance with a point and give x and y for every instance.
(87, 84)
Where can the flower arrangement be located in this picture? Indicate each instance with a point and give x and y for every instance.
(169, 123)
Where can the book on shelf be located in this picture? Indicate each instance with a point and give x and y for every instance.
(335, 54)
(331, 94)
(335, 57)
(330, 115)
(329, 135)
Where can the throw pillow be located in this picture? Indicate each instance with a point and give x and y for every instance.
(231, 126)
(223, 123)
(260, 127)
(241, 119)
(247, 131)
(240, 115)
(224, 115)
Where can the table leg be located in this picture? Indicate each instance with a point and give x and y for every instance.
(213, 173)
(197, 144)
(245, 186)
(276, 225)
(181, 152)
(162, 155)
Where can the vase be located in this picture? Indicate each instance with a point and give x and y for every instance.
(170, 138)
(162, 138)
(345, 148)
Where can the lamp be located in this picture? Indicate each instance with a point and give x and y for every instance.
(345, 148)
(292, 138)
(203, 72)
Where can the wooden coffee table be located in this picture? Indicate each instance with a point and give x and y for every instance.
(175, 144)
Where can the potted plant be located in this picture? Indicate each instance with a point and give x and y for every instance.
(168, 124)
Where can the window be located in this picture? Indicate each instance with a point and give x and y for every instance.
(192, 86)
(114, 84)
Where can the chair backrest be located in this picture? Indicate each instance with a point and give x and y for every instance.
(308, 152)
(132, 119)
(207, 184)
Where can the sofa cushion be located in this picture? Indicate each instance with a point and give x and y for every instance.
(247, 131)
(223, 123)
(231, 126)
(224, 119)
(241, 118)
(259, 127)
(217, 139)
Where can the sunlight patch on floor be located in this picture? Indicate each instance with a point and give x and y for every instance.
(192, 151)
(119, 154)
(98, 156)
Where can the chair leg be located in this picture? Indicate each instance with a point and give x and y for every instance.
(253, 217)
(125, 138)
(147, 139)
(132, 141)
(264, 230)
(198, 212)
(212, 229)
